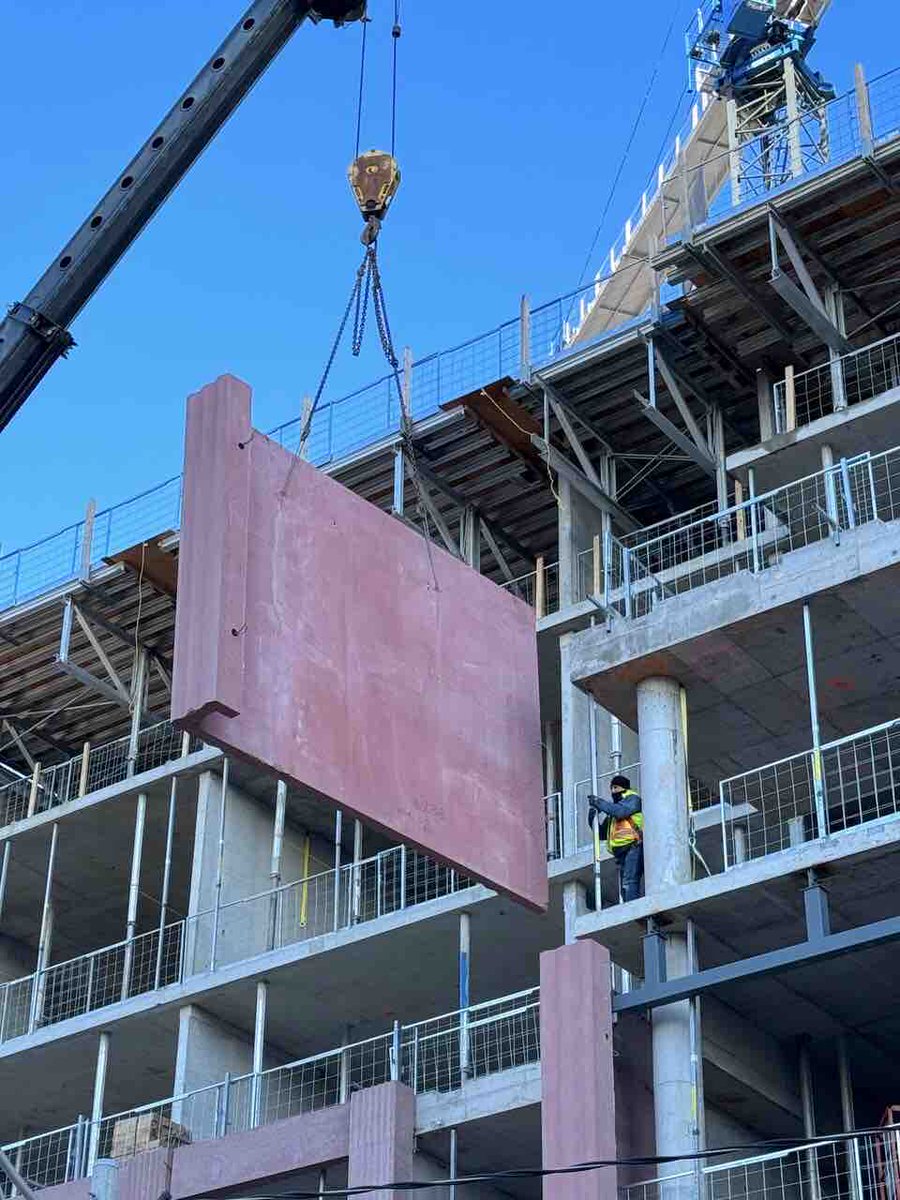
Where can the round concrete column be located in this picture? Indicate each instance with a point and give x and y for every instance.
(673, 1074)
(667, 854)
(667, 862)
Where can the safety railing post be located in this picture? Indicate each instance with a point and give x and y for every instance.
(626, 580)
(724, 829)
(403, 876)
(754, 520)
(524, 341)
(848, 494)
(395, 1053)
(224, 1099)
(864, 112)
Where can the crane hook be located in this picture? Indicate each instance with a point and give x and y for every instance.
(374, 179)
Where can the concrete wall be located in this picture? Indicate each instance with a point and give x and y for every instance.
(16, 959)
(392, 680)
(245, 930)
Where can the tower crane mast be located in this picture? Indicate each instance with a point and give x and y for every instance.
(34, 333)
(753, 55)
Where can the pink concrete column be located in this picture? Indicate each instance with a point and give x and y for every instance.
(382, 1129)
(578, 1104)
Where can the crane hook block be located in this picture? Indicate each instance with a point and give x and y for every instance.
(374, 178)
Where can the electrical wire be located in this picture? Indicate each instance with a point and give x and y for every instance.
(786, 1145)
(610, 196)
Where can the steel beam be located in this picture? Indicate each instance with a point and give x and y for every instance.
(773, 962)
(809, 312)
(675, 391)
(596, 495)
(463, 501)
(713, 260)
(674, 434)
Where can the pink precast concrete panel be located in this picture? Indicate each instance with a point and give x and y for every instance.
(295, 1144)
(146, 1175)
(216, 506)
(78, 1189)
(377, 670)
(382, 1138)
(578, 1105)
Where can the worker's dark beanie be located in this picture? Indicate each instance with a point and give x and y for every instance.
(620, 781)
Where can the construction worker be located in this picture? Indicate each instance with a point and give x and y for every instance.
(624, 833)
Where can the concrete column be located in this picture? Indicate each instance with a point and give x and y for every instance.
(382, 1132)
(664, 789)
(105, 1179)
(579, 521)
(208, 1050)
(764, 397)
(578, 1103)
(576, 751)
(673, 1075)
(233, 861)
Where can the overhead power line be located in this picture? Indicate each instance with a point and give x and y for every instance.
(628, 145)
(786, 1145)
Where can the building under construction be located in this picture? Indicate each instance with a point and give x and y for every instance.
(258, 935)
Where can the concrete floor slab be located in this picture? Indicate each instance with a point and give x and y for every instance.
(737, 647)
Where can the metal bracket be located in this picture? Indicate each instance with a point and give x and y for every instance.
(45, 328)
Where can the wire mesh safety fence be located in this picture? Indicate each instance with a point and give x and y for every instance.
(846, 380)
(104, 765)
(867, 1166)
(753, 535)
(344, 426)
(439, 1054)
(539, 588)
(819, 793)
(391, 881)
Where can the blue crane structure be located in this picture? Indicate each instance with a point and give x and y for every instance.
(752, 54)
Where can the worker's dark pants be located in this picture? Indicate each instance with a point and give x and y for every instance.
(630, 861)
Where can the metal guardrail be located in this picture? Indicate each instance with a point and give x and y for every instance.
(356, 893)
(97, 767)
(753, 535)
(862, 1168)
(850, 379)
(436, 1055)
(346, 425)
(846, 783)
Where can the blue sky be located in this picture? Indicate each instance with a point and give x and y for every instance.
(512, 121)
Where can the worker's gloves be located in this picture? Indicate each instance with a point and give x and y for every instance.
(594, 813)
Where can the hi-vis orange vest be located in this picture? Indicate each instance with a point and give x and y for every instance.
(623, 831)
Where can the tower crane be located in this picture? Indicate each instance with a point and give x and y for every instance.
(759, 120)
(752, 54)
(35, 333)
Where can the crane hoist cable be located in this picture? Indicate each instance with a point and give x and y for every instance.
(374, 178)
